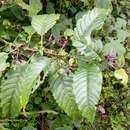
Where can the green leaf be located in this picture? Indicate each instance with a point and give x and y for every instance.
(122, 35)
(29, 128)
(62, 91)
(22, 4)
(121, 74)
(17, 12)
(16, 89)
(50, 8)
(115, 46)
(10, 92)
(3, 64)
(92, 20)
(87, 84)
(79, 15)
(87, 52)
(29, 29)
(43, 23)
(5, 7)
(82, 60)
(3, 128)
(68, 32)
(120, 27)
(34, 7)
(127, 56)
(61, 25)
(103, 3)
(32, 72)
(120, 24)
(64, 128)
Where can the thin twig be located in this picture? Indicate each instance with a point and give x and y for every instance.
(4, 41)
(46, 51)
(12, 120)
(39, 112)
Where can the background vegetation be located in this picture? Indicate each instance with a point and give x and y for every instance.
(44, 43)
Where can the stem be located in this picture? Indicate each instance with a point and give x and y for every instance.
(12, 120)
(39, 112)
(41, 41)
(42, 123)
(29, 39)
(4, 41)
(45, 50)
